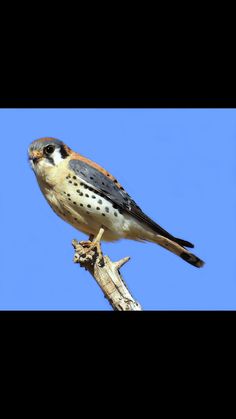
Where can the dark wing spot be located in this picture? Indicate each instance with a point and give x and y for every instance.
(106, 187)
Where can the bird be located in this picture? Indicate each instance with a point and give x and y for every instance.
(89, 198)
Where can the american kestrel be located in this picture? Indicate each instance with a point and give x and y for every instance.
(88, 197)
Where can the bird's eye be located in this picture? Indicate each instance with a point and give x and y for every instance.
(49, 149)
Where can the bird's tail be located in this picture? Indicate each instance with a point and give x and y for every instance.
(179, 250)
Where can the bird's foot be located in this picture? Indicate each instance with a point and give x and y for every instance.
(90, 248)
(86, 243)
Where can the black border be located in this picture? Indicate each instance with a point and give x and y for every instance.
(149, 327)
(165, 101)
(143, 339)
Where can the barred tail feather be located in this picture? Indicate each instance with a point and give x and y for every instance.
(179, 251)
(192, 259)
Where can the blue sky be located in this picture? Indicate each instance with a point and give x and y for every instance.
(177, 164)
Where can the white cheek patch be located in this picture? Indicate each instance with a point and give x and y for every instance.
(56, 156)
(45, 163)
(41, 167)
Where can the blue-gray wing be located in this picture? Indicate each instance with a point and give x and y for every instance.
(106, 187)
(103, 185)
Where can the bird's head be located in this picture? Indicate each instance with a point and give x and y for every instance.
(47, 152)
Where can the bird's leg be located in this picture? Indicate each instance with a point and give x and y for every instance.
(92, 244)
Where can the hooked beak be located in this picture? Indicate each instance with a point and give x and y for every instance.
(35, 156)
(33, 160)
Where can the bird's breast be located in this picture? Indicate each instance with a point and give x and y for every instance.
(78, 203)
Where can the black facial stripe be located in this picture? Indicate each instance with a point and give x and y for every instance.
(63, 152)
(50, 159)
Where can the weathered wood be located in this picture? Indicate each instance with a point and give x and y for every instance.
(106, 273)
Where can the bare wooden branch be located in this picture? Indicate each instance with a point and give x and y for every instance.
(106, 273)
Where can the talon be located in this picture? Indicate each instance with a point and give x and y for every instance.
(85, 243)
(87, 246)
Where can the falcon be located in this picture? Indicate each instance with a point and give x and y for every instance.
(89, 198)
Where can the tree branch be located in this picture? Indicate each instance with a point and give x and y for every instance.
(106, 273)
